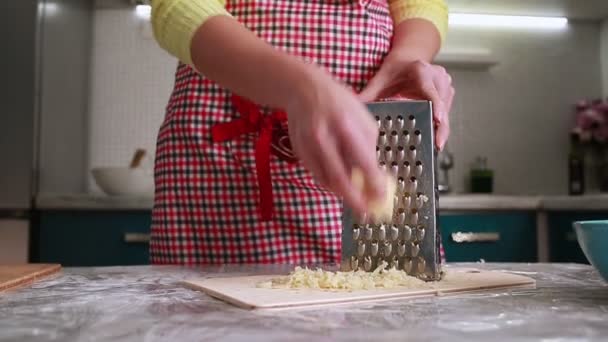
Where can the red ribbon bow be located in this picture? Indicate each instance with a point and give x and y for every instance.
(271, 138)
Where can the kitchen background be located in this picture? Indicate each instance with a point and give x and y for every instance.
(100, 84)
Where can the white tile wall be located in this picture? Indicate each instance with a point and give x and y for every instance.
(131, 80)
(517, 114)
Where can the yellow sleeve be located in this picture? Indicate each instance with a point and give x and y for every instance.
(174, 23)
(435, 11)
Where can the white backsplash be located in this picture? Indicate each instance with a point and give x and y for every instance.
(131, 80)
(517, 113)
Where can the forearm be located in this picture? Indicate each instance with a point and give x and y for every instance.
(228, 53)
(416, 39)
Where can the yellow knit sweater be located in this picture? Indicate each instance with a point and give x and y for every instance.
(176, 21)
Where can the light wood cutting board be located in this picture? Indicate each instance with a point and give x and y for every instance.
(12, 276)
(242, 291)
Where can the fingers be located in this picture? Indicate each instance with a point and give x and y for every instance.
(442, 133)
(443, 84)
(322, 157)
(378, 87)
(330, 168)
(358, 140)
(371, 92)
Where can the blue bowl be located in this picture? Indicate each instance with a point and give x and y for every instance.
(593, 238)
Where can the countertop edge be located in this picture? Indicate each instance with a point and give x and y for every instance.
(464, 202)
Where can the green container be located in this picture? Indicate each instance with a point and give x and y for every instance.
(482, 181)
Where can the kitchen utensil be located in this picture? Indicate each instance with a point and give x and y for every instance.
(123, 181)
(482, 178)
(139, 155)
(593, 238)
(13, 276)
(410, 240)
(243, 291)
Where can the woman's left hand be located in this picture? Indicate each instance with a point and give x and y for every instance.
(416, 80)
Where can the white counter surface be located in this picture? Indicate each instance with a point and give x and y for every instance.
(456, 202)
(148, 303)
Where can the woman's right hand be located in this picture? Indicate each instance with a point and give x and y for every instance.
(332, 133)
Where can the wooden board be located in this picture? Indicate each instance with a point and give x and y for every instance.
(12, 276)
(242, 291)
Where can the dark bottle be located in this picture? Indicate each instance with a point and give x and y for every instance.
(576, 166)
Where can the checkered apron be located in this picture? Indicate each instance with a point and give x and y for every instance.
(214, 199)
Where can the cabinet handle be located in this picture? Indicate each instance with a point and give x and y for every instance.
(460, 237)
(137, 238)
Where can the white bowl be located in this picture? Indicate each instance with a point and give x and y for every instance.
(123, 181)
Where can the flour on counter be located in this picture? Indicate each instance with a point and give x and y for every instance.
(381, 277)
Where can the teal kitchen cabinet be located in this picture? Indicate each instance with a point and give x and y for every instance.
(563, 244)
(93, 238)
(491, 236)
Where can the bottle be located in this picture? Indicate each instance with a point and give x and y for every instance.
(576, 166)
(482, 178)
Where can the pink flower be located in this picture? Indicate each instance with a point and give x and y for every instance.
(589, 118)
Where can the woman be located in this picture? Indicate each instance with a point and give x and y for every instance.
(229, 189)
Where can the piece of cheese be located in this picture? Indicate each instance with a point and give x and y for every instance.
(381, 209)
(381, 277)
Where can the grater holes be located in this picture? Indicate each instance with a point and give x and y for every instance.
(418, 172)
(388, 153)
(414, 216)
(400, 215)
(400, 153)
(407, 200)
(411, 123)
(394, 168)
(388, 122)
(405, 137)
(411, 153)
(417, 137)
(414, 249)
(407, 233)
(374, 248)
(413, 186)
(421, 265)
(420, 233)
(394, 138)
(400, 122)
(382, 138)
(406, 169)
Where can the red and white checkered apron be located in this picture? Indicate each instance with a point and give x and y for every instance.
(212, 200)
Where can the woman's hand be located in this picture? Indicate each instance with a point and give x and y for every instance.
(332, 133)
(416, 80)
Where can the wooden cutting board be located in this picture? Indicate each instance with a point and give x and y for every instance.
(242, 291)
(12, 276)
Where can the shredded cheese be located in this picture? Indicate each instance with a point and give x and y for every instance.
(381, 277)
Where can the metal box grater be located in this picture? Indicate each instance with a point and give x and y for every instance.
(410, 242)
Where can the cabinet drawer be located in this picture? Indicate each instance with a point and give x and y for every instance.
(94, 238)
(563, 245)
(497, 237)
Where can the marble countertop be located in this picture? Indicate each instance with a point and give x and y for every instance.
(451, 202)
(148, 303)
